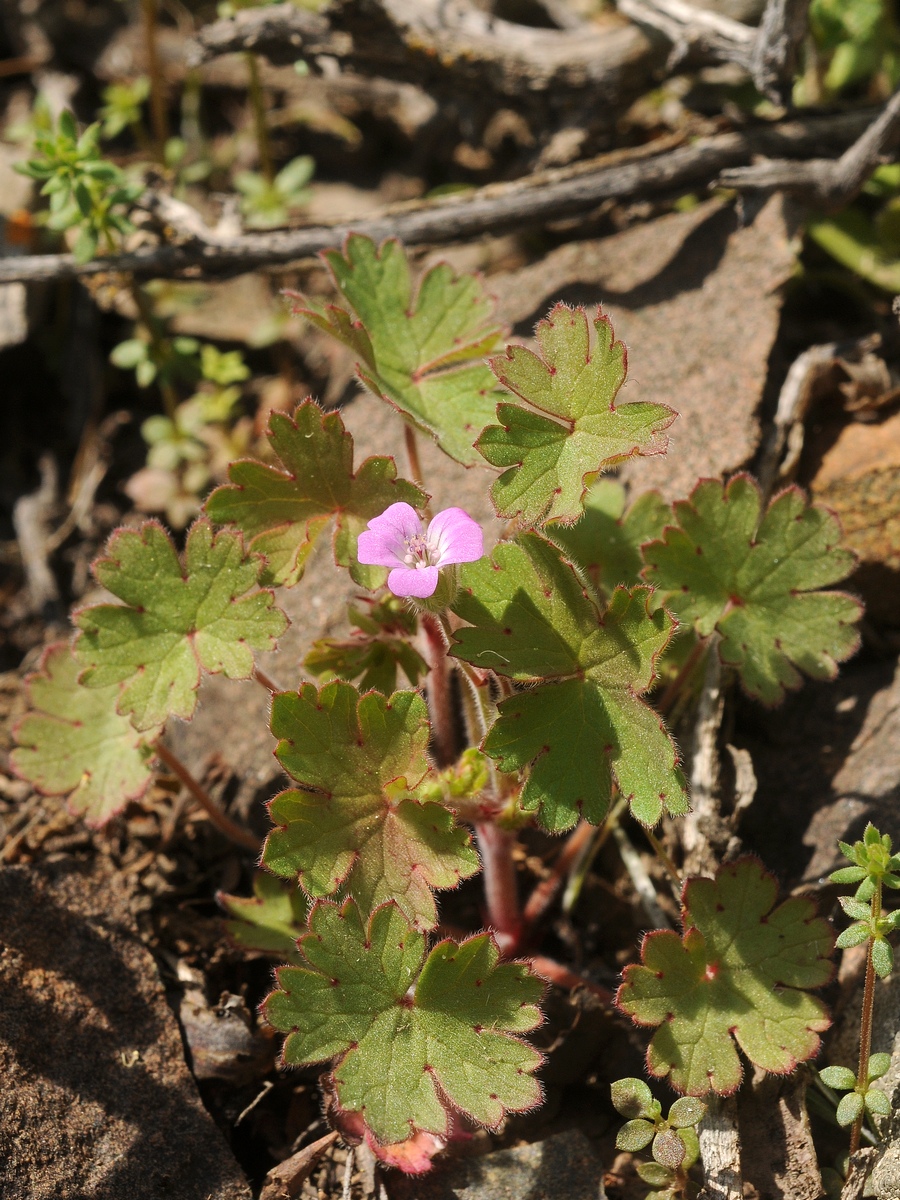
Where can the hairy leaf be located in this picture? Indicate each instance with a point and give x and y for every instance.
(176, 619)
(270, 920)
(568, 427)
(415, 1038)
(606, 542)
(284, 512)
(585, 727)
(736, 972)
(358, 821)
(422, 351)
(74, 743)
(755, 577)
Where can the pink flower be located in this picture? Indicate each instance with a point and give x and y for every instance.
(396, 539)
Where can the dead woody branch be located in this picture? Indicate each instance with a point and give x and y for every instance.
(546, 196)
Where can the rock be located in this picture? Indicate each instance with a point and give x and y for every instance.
(97, 1098)
(564, 1165)
(696, 300)
(777, 1151)
(859, 478)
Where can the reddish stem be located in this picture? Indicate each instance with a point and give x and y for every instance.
(501, 887)
(235, 833)
(440, 700)
(556, 973)
(266, 680)
(672, 692)
(543, 895)
(865, 1024)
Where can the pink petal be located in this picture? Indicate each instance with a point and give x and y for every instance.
(413, 581)
(383, 544)
(456, 538)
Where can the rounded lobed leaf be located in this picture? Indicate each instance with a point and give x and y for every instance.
(755, 577)
(734, 975)
(74, 742)
(415, 1038)
(177, 618)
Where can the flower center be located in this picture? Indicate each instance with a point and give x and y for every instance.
(418, 551)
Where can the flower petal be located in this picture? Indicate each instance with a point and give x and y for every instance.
(455, 538)
(413, 581)
(383, 543)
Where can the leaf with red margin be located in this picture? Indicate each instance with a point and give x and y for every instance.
(179, 616)
(74, 743)
(736, 973)
(754, 577)
(284, 512)
(358, 822)
(416, 1038)
(567, 427)
(584, 728)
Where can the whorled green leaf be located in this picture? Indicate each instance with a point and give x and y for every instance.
(284, 512)
(271, 920)
(421, 350)
(567, 427)
(584, 728)
(606, 542)
(358, 822)
(415, 1038)
(754, 577)
(177, 617)
(736, 973)
(74, 743)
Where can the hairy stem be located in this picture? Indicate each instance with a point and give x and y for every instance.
(437, 686)
(412, 454)
(234, 832)
(865, 1024)
(266, 680)
(501, 888)
(258, 105)
(158, 121)
(556, 973)
(660, 852)
(544, 893)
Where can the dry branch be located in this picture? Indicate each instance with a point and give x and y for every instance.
(824, 182)
(546, 196)
(439, 44)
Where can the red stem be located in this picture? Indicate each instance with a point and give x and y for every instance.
(556, 973)
(501, 887)
(224, 824)
(440, 701)
(865, 1024)
(670, 695)
(543, 895)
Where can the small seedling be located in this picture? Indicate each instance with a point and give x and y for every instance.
(672, 1140)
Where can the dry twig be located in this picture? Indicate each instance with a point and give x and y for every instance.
(498, 208)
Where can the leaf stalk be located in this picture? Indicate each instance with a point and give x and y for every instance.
(230, 829)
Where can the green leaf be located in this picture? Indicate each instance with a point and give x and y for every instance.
(358, 821)
(691, 1145)
(632, 1098)
(283, 513)
(177, 617)
(655, 1174)
(584, 728)
(606, 542)
(882, 958)
(686, 1112)
(842, 1079)
(271, 920)
(853, 935)
(415, 1038)
(754, 578)
(879, 1064)
(877, 1103)
(849, 1108)
(420, 351)
(567, 428)
(735, 973)
(848, 875)
(635, 1135)
(74, 742)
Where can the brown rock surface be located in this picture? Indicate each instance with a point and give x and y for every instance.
(97, 1101)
